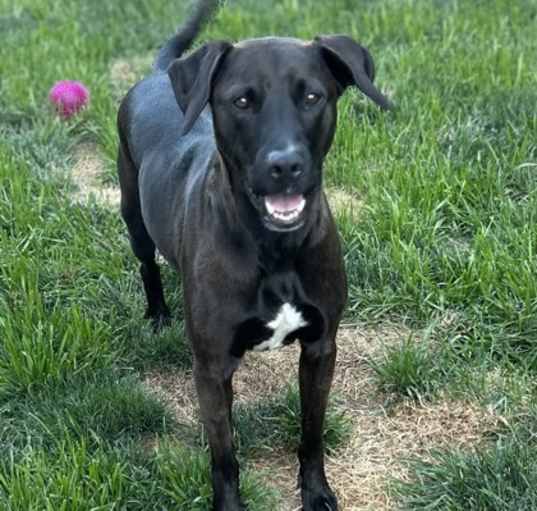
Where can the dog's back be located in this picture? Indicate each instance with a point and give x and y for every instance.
(153, 157)
(162, 163)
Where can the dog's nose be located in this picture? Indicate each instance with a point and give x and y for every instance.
(285, 164)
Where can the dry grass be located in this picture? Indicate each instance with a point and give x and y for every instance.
(342, 201)
(87, 172)
(383, 437)
(124, 73)
(177, 391)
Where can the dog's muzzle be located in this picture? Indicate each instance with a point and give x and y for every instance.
(279, 188)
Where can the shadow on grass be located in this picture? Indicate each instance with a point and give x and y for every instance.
(105, 477)
(105, 406)
(275, 423)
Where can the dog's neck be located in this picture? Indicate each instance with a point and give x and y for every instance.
(276, 250)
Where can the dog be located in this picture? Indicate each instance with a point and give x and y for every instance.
(220, 168)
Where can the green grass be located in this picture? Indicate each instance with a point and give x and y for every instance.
(274, 423)
(186, 481)
(501, 477)
(409, 370)
(105, 406)
(78, 477)
(445, 242)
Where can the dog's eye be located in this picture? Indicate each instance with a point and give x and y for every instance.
(242, 102)
(311, 98)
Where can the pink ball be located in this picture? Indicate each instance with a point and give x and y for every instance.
(69, 97)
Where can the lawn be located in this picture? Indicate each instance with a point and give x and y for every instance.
(436, 202)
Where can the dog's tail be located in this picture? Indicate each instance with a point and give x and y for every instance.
(184, 38)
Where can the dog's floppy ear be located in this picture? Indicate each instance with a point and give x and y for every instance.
(192, 78)
(351, 64)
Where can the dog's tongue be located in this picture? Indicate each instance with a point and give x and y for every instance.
(284, 203)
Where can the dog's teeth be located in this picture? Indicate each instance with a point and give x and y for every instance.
(284, 215)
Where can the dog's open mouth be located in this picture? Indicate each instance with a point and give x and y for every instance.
(285, 211)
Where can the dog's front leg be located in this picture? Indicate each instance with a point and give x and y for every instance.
(215, 394)
(316, 372)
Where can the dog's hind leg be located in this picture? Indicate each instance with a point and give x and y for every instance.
(141, 243)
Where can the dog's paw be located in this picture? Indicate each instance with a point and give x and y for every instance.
(319, 499)
(159, 319)
(230, 507)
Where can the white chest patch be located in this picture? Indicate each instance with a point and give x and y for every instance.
(286, 321)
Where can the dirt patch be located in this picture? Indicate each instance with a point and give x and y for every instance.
(264, 373)
(383, 437)
(87, 174)
(342, 201)
(177, 391)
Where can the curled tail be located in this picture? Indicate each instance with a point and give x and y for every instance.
(181, 41)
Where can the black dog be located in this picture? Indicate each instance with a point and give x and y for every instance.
(220, 166)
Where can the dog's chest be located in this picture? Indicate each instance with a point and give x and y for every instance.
(283, 324)
(287, 320)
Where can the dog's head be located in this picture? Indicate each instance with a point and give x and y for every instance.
(273, 102)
